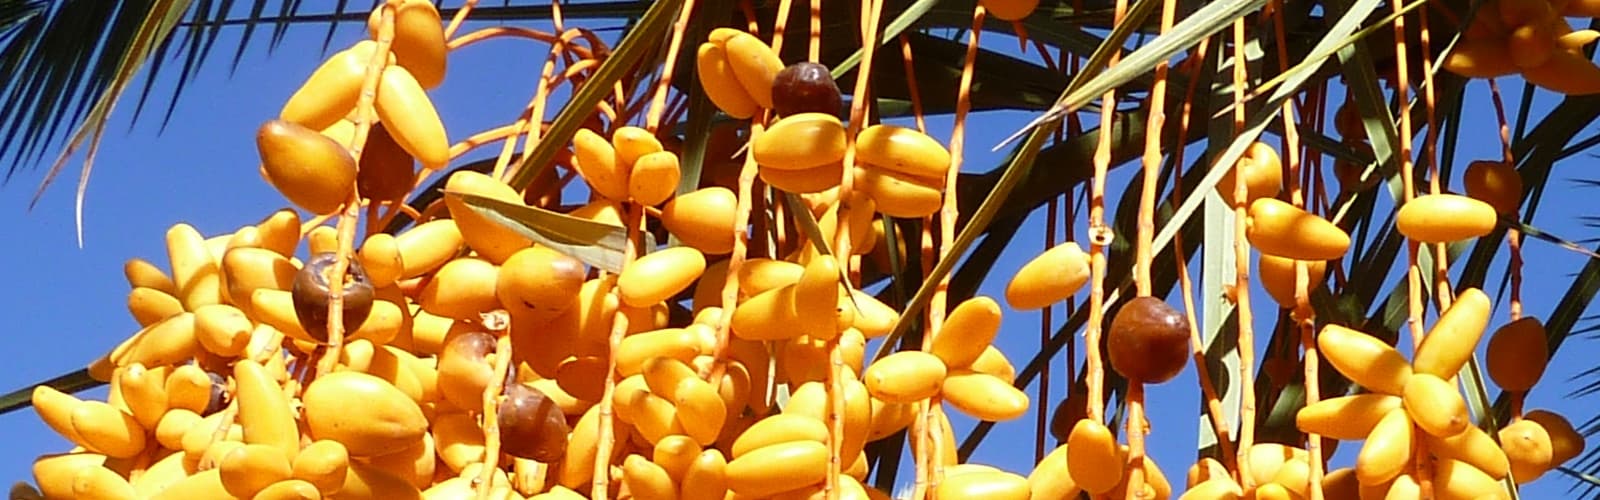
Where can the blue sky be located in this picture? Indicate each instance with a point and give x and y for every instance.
(67, 304)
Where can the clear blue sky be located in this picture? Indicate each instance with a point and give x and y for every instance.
(67, 304)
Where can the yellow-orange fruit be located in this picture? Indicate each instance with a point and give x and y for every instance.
(1567, 73)
(1281, 229)
(1347, 417)
(902, 150)
(967, 332)
(149, 305)
(719, 83)
(462, 289)
(596, 160)
(1277, 275)
(289, 489)
(803, 141)
(659, 276)
(324, 464)
(905, 377)
(1050, 277)
(988, 484)
(1517, 354)
(1046, 482)
(1454, 337)
(314, 172)
(492, 241)
(1528, 448)
(1387, 450)
(538, 283)
(419, 44)
(898, 194)
(1435, 405)
(647, 480)
(706, 478)
(1454, 479)
(1443, 218)
(803, 181)
(703, 219)
(983, 396)
(411, 119)
(1494, 182)
(1480, 59)
(754, 65)
(425, 247)
(144, 274)
(332, 90)
(654, 178)
(1474, 446)
(1262, 172)
(1531, 44)
(264, 411)
(1093, 460)
(1565, 442)
(385, 421)
(1364, 359)
(250, 468)
(778, 468)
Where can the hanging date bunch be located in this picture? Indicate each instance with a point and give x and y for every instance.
(747, 258)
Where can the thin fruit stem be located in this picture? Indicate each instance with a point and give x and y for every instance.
(1241, 286)
(365, 115)
(461, 16)
(498, 323)
(658, 104)
(606, 441)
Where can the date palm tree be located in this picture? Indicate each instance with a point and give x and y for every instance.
(65, 63)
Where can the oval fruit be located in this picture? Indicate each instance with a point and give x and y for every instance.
(1528, 448)
(1364, 359)
(805, 87)
(778, 468)
(1454, 337)
(1387, 450)
(1347, 417)
(1262, 172)
(1435, 405)
(411, 118)
(659, 276)
(1494, 182)
(1093, 460)
(314, 172)
(901, 195)
(703, 219)
(983, 396)
(990, 484)
(1009, 10)
(967, 331)
(1517, 354)
(493, 241)
(1050, 277)
(802, 141)
(538, 283)
(754, 65)
(1148, 341)
(1277, 275)
(1566, 443)
(419, 44)
(385, 421)
(462, 289)
(1443, 218)
(905, 377)
(332, 90)
(902, 150)
(720, 84)
(1281, 229)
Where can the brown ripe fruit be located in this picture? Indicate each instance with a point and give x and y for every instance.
(386, 170)
(313, 171)
(1348, 122)
(1517, 354)
(311, 295)
(531, 424)
(1148, 341)
(1068, 412)
(805, 87)
(1494, 182)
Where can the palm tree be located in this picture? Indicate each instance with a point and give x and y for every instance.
(66, 62)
